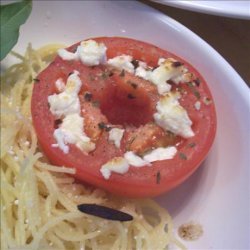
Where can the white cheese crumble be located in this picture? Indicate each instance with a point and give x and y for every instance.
(122, 62)
(67, 55)
(71, 131)
(60, 85)
(88, 52)
(172, 116)
(185, 77)
(160, 75)
(115, 135)
(92, 53)
(160, 154)
(166, 71)
(197, 105)
(118, 165)
(135, 160)
(143, 71)
(121, 164)
(67, 105)
(67, 102)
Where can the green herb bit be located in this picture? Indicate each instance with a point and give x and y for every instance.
(135, 63)
(177, 64)
(104, 75)
(190, 84)
(91, 77)
(171, 82)
(101, 125)
(197, 94)
(158, 177)
(170, 134)
(104, 126)
(122, 74)
(88, 96)
(207, 100)
(96, 104)
(130, 96)
(182, 156)
(134, 85)
(130, 142)
(58, 122)
(192, 145)
(36, 80)
(197, 82)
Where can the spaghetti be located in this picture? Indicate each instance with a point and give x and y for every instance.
(39, 201)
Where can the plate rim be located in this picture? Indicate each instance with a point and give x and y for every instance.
(192, 6)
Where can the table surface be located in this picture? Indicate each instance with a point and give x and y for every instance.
(229, 36)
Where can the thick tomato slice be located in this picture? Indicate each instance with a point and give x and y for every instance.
(114, 107)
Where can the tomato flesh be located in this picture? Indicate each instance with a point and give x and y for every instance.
(123, 105)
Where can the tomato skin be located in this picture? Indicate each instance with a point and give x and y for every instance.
(137, 182)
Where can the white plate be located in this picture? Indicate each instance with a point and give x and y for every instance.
(217, 195)
(235, 9)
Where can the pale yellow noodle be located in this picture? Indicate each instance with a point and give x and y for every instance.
(39, 200)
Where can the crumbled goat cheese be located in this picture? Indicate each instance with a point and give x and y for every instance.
(115, 135)
(135, 160)
(160, 154)
(117, 165)
(60, 85)
(122, 62)
(143, 71)
(71, 132)
(160, 75)
(67, 105)
(121, 164)
(92, 53)
(166, 71)
(88, 52)
(67, 102)
(197, 105)
(67, 55)
(172, 116)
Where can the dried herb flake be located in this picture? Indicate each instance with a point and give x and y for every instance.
(134, 85)
(177, 64)
(88, 96)
(197, 94)
(130, 96)
(182, 156)
(197, 82)
(36, 80)
(158, 177)
(135, 63)
(122, 74)
(96, 104)
(192, 145)
(57, 122)
(104, 126)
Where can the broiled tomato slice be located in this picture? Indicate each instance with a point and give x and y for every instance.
(130, 107)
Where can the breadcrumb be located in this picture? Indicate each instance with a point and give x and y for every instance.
(190, 231)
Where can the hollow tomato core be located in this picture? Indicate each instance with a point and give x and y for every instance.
(123, 105)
